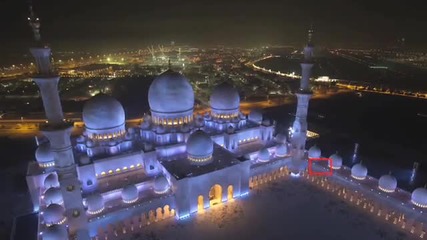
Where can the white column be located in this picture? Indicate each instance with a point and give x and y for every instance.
(52, 104)
(305, 76)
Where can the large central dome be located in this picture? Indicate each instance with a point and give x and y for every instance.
(170, 92)
(225, 97)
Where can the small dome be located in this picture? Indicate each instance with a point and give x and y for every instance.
(314, 152)
(419, 197)
(53, 195)
(130, 194)
(44, 154)
(387, 183)
(170, 92)
(359, 171)
(54, 214)
(264, 155)
(199, 147)
(280, 138)
(103, 112)
(256, 116)
(55, 232)
(51, 181)
(282, 150)
(95, 204)
(337, 161)
(161, 185)
(224, 97)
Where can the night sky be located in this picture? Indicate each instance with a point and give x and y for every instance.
(86, 24)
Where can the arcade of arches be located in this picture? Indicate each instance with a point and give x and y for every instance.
(135, 222)
(215, 196)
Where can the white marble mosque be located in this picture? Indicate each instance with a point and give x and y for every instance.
(175, 163)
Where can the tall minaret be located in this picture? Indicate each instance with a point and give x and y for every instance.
(58, 131)
(299, 128)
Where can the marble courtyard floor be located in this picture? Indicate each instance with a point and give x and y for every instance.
(287, 208)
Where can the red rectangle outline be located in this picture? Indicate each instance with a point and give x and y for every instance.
(312, 173)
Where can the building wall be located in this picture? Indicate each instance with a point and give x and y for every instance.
(189, 189)
(128, 213)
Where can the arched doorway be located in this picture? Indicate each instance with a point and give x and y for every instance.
(200, 204)
(215, 195)
(159, 214)
(230, 192)
(166, 210)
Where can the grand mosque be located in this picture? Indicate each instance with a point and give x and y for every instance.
(174, 163)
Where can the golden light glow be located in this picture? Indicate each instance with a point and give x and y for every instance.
(386, 190)
(358, 178)
(95, 212)
(200, 160)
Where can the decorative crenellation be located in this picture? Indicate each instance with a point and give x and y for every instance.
(95, 212)
(172, 121)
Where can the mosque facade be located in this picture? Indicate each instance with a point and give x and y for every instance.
(175, 162)
(175, 159)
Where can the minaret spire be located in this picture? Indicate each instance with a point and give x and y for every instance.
(299, 128)
(310, 34)
(34, 22)
(58, 132)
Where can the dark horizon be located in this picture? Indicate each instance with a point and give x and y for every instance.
(98, 25)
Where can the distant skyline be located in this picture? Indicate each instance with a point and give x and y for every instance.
(98, 25)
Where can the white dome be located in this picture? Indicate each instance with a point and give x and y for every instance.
(359, 171)
(264, 155)
(387, 183)
(54, 214)
(95, 203)
(170, 92)
(130, 194)
(255, 116)
(199, 145)
(225, 97)
(55, 232)
(161, 185)
(419, 197)
(44, 154)
(53, 195)
(51, 181)
(280, 138)
(337, 161)
(103, 112)
(314, 152)
(282, 150)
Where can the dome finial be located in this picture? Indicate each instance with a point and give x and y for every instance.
(34, 22)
